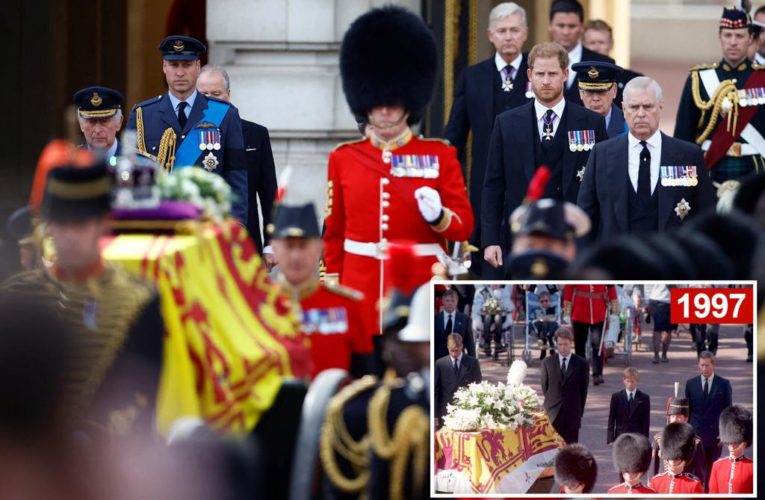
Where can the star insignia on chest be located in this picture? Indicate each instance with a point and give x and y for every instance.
(507, 85)
(580, 174)
(210, 162)
(682, 209)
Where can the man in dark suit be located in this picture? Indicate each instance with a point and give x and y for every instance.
(261, 174)
(565, 378)
(644, 181)
(630, 409)
(453, 371)
(566, 27)
(597, 88)
(449, 321)
(184, 128)
(547, 131)
(99, 112)
(708, 395)
(483, 91)
(599, 37)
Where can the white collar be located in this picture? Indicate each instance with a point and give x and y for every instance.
(459, 360)
(190, 100)
(557, 109)
(500, 63)
(560, 359)
(654, 141)
(575, 55)
(711, 378)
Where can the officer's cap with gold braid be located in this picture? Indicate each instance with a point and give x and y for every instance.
(77, 193)
(295, 221)
(388, 57)
(97, 102)
(596, 76)
(181, 48)
(736, 18)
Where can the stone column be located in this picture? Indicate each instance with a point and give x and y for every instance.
(282, 56)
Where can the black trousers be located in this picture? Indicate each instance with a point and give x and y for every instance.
(581, 330)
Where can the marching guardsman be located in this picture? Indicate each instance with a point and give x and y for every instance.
(99, 112)
(677, 446)
(344, 442)
(597, 88)
(390, 184)
(734, 473)
(331, 315)
(721, 105)
(184, 128)
(678, 411)
(113, 374)
(575, 469)
(632, 457)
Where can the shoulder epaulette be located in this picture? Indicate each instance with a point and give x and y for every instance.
(435, 139)
(149, 101)
(758, 66)
(699, 67)
(344, 291)
(354, 141)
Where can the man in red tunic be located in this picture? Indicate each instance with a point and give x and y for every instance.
(734, 473)
(632, 457)
(588, 305)
(677, 449)
(331, 315)
(390, 185)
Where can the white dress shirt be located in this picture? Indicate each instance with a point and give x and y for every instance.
(459, 362)
(711, 379)
(190, 100)
(541, 110)
(574, 57)
(631, 395)
(560, 361)
(633, 158)
(516, 64)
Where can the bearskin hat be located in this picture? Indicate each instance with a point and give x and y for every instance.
(631, 453)
(736, 425)
(678, 406)
(677, 442)
(388, 57)
(575, 464)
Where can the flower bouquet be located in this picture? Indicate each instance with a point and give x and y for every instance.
(493, 306)
(494, 405)
(206, 190)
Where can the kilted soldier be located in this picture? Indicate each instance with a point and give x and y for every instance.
(677, 449)
(734, 473)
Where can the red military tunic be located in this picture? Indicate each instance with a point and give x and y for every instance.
(682, 483)
(638, 489)
(732, 476)
(333, 320)
(371, 202)
(588, 303)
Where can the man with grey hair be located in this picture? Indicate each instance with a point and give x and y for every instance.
(214, 82)
(483, 91)
(99, 112)
(644, 181)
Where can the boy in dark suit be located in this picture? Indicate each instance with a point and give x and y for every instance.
(565, 378)
(630, 409)
(452, 372)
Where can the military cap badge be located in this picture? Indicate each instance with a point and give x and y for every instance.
(178, 46)
(593, 73)
(96, 100)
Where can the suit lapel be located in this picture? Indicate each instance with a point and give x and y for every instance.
(618, 173)
(486, 84)
(167, 114)
(530, 135)
(200, 104)
(665, 193)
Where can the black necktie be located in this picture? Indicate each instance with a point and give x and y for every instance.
(706, 388)
(449, 325)
(182, 113)
(456, 367)
(644, 173)
(632, 399)
(509, 73)
(563, 368)
(547, 127)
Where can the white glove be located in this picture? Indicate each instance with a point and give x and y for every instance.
(429, 203)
